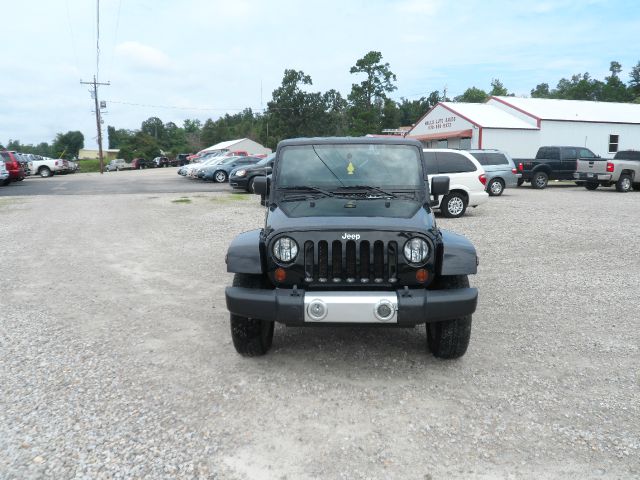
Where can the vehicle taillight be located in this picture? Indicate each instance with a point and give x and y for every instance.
(513, 170)
(483, 179)
(610, 167)
(520, 167)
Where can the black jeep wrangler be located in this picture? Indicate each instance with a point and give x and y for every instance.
(350, 239)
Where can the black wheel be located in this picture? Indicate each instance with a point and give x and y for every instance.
(450, 338)
(220, 176)
(540, 180)
(44, 172)
(250, 185)
(251, 337)
(495, 187)
(520, 181)
(453, 205)
(624, 183)
(591, 185)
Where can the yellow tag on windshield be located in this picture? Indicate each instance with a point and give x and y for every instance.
(350, 168)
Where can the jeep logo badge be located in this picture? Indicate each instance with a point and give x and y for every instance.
(350, 236)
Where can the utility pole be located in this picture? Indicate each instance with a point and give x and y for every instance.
(95, 84)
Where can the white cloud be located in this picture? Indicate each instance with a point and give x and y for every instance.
(143, 56)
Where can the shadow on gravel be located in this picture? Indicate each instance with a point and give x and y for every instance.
(358, 346)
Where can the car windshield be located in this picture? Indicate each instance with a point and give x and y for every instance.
(351, 165)
(265, 160)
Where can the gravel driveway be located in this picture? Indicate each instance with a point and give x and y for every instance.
(116, 359)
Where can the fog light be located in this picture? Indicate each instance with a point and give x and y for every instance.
(384, 310)
(317, 310)
(280, 274)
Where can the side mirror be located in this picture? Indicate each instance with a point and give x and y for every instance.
(439, 185)
(260, 186)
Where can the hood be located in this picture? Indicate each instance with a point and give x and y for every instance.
(346, 214)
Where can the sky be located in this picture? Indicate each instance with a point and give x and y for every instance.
(204, 58)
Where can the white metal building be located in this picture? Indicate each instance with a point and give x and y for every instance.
(520, 125)
(242, 144)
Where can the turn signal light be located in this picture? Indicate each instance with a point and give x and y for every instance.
(280, 274)
(610, 167)
(422, 275)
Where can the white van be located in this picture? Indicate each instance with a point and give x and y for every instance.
(467, 179)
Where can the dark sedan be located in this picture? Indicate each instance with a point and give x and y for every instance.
(242, 178)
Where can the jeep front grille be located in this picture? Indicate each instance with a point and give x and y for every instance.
(351, 261)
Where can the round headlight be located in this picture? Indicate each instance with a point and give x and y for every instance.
(416, 250)
(240, 173)
(285, 249)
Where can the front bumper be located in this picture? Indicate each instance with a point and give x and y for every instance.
(412, 306)
(601, 177)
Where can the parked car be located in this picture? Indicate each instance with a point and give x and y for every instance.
(4, 174)
(243, 177)
(192, 169)
(117, 165)
(467, 180)
(551, 163)
(220, 172)
(73, 166)
(352, 243)
(25, 161)
(500, 170)
(141, 163)
(47, 167)
(623, 171)
(161, 162)
(182, 159)
(16, 172)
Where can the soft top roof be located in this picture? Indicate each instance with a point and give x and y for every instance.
(349, 141)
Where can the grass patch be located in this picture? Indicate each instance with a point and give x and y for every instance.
(90, 165)
(230, 198)
(182, 200)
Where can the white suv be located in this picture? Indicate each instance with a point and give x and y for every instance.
(467, 179)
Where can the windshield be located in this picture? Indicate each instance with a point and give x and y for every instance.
(351, 165)
(265, 160)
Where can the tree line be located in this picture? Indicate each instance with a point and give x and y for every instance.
(295, 110)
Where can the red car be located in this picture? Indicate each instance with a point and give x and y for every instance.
(16, 172)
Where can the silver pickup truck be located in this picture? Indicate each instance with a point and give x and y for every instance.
(623, 171)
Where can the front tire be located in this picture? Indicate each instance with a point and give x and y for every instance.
(250, 185)
(624, 183)
(591, 185)
(453, 205)
(220, 176)
(450, 338)
(495, 187)
(540, 180)
(251, 337)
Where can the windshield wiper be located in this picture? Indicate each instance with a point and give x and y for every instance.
(369, 188)
(307, 188)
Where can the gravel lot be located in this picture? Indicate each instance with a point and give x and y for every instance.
(116, 359)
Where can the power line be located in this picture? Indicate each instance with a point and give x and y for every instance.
(115, 36)
(178, 107)
(97, 40)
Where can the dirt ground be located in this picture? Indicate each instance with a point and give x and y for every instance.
(116, 358)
